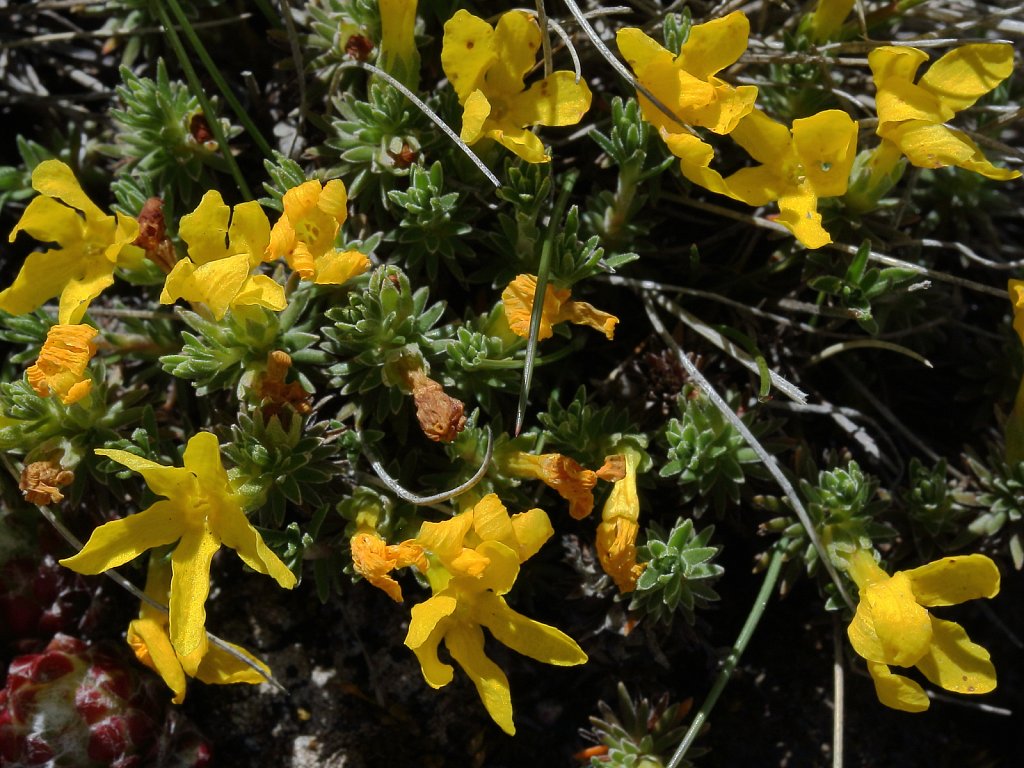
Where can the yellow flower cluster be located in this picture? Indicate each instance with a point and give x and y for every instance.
(811, 160)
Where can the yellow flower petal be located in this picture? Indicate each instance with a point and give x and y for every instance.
(900, 100)
(889, 626)
(214, 284)
(715, 45)
(148, 639)
(828, 18)
(427, 626)
(466, 645)
(474, 117)
(638, 49)
(333, 200)
(728, 106)
(764, 139)
(219, 667)
(967, 73)
(42, 276)
(163, 481)
(1016, 290)
(695, 159)
(556, 100)
(445, 539)
(249, 232)
(521, 142)
(826, 144)
(955, 663)
(954, 580)
(234, 530)
(117, 542)
(934, 146)
(516, 42)
(338, 267)
(62, 363)
(897, 691)
(205, 230)
(895, 62)
(582, 313)
(49, 221)
(94, 276)
(799, 214)
(532, 528)
(502, 567)
(525, 635)
(260, 291)
(517, 299)
(54, 178)
(190, 586)
(491, 521)
(398, 55)
(467, 52)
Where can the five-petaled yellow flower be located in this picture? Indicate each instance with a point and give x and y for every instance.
(222, 256)
(92, 244)
(486, 66)
(798, 166)
(149, 639)
(63, 360)
(517, 299)
(892, 626)
(619, 526)
(200, 512)
(911, 115)
(686, 84)
(304, 235)
(475, 560)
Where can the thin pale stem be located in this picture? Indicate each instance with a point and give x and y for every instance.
(399, 490)
(766, 458)
(542, 19)
(420, 105)
(838, 693)
(771, 577)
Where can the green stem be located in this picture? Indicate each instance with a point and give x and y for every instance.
(753, 619)
(568, 182)
(200, 94)
(218, 78)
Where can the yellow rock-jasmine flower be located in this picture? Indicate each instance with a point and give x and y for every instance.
(798, 166)
(687, 84)
(892, 626)
(200, 512)
(517, 299)
(912, 116)
(91, 246)
(224, 247)
(486, 66)
(475, 560)
(149, 639)
(304, 235)
(63, 360)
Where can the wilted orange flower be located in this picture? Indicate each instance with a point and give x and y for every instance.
(517, 299)
(374, 559)
(617, 532)
(62, 362)
(565, 475)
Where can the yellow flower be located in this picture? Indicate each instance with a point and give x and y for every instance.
(218, 272)
(92, 245)
(475, 559)
(398, 55)
(374, 559)
(486, 66)
(828, 18)
(63, 360)
(686, 83)
(893, 627)
(200, 512)
(304, 235)
(799, 166)
(911, 115)
(517, 299)
(149, 639)
(619, 526)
